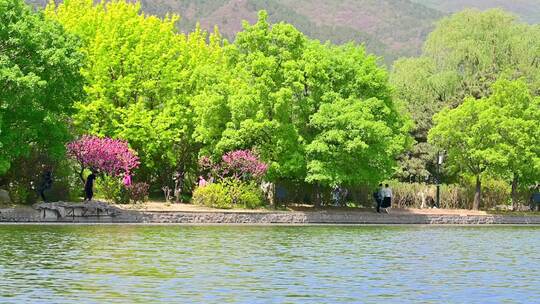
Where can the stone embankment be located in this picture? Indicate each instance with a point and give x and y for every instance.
(86, 213)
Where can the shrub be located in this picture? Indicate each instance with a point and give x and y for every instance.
(244, 195)
(494, 192)
(138, 192)
(20, 193)
(229, 194)
(212, 195)
(25, 175)
(453, 196)
(112, 189)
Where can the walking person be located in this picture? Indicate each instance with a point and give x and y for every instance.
(45, 184)
(89, 187)
(336, 196)
(377, 196)
(387, 197)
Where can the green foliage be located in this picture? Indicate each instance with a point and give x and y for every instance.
(246, 195)
(146, 83)
(212, 195)
(357, 130)
(267, 61)
(462, 57)
(25, 175)
(287, 79)
(513, 117)
(357, 144)
(112, 189)
(21, 192)
(229, 193)
(316, 113)
(475, 48)
(39, 80)
(497, 135)
(175, 96)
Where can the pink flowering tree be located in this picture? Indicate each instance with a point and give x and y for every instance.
(243, 165)
(103, 155)
(240, 164)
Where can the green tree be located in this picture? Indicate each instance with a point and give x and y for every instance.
(515, 116)
(39, 81)
(496, 135)
(357, 143)
(465, 54)
(267, 62)
(355, 129)
(145, 82)
(286, 79)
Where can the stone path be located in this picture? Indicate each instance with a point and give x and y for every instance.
(160, 207)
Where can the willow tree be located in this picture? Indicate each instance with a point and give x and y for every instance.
(496, 135)
(39, 81)
(465, 54)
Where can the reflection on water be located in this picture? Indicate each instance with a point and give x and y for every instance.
(241, 264)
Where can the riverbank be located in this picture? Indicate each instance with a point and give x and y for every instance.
(188, 214)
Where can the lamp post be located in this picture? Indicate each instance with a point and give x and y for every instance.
(440, 159)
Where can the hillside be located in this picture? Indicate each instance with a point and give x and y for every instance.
(528, 10)
(389, 28)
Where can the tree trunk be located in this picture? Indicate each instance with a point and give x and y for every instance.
(477, 193)
(81, 177)
(271, 193)
(514, 193)
(318, 196)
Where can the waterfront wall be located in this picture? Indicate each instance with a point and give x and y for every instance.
(283, 217)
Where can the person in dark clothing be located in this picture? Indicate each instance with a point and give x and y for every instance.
(281, 193)
(45, 184)
(377, 195)
(89, 187)
(535, 199)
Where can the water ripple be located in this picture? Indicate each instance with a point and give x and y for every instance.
(241, 264)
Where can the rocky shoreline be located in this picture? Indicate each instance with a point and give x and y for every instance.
(44, 215)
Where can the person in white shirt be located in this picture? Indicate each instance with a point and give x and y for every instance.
(387, 197)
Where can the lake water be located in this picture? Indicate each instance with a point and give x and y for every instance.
(269, 264)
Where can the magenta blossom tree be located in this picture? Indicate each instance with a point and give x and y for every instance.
(103, 155)
(243, 164)
(240, 164)
(208, 167)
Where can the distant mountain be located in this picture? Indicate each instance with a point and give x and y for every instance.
(389, 28)
(528, 10)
